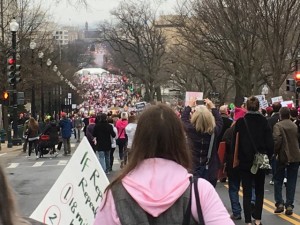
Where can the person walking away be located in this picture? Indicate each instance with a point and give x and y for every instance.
(285, 134)
(130, 131)
(257, 129)
(78, 125)
(202, 130)
(161, 159)
(121, 138)
(66, 131)
(227, 121)
(113, 142)
(89, 133)
(52, 130)
(25, 134)
(102, 132)
(272, 121)
(33, 136)
(234, 179)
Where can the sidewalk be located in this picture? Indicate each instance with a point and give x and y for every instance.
(5, 149)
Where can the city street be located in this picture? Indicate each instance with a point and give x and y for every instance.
(32, 179)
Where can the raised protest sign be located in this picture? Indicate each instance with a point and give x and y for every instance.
(288, 104)
(191, 97)
(276, 99)
(76, 195)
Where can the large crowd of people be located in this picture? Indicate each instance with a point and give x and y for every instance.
(179, 151)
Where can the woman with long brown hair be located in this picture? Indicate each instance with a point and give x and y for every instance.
(33, 136)
(155, 185)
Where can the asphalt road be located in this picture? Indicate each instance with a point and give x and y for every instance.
(32, 179)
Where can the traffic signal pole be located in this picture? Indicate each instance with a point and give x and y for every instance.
(296, 91)
(14, 86)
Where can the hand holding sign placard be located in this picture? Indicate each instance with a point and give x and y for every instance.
(77, 193)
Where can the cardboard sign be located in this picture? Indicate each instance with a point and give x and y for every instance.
(76, 195)
(276, 99)
(140, 106)
(191, 97)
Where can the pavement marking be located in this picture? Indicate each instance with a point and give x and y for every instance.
(2, 154)
(13, 165)
(270, 207)
(37, 164)
(62, 162)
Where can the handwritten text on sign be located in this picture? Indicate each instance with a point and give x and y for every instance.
(77, 193)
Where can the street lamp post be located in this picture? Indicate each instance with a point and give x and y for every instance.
(33, 113)
(49, 63)
(55, 93)
(41, 55)
(14, 26)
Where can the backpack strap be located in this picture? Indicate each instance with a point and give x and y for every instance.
(211, 144)
(199, 210)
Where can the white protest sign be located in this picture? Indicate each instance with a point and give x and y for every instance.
(191, 97)
(287, 103)
(276, 99)
(76, 195)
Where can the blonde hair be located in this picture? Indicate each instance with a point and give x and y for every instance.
(203, 120)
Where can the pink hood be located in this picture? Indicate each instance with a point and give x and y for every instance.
(157, 189)
(155, 185)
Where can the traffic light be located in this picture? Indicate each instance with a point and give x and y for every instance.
(11, 76)
(297, 80)
(290, 85)
(18, 74)
(5, 98)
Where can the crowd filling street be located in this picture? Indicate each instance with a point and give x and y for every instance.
(172, 159)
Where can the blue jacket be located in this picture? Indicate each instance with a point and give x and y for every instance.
(66, 127)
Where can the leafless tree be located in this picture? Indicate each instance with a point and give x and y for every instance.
(138, 45)
(279, 33)
(221, 34)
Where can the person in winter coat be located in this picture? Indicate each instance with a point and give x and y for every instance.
(159, 158)
(285, 134)
(130, 131)
(113, 142)
(66, 131)
(89, 132)
(234, 179)
(52, 129)
(103, 132)
(205, 121)
(260, 131)
(33, 136)
(121, 138)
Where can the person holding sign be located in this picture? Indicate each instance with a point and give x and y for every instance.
(203, 129)
(156, 186)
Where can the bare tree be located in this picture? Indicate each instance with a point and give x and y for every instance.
(221, 35)
(279, 32)
(139, 47)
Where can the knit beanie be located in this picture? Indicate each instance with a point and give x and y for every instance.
(239, 113)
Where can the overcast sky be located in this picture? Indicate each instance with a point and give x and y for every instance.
(97, 10)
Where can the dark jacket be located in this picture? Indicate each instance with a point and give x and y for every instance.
(200, 143)
(102, 132)
(273, 120)
(52, 130)
(261, 134)
(229, 153)
(66, 127)
(89, 134)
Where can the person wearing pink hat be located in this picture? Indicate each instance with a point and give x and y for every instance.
(234, 179)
